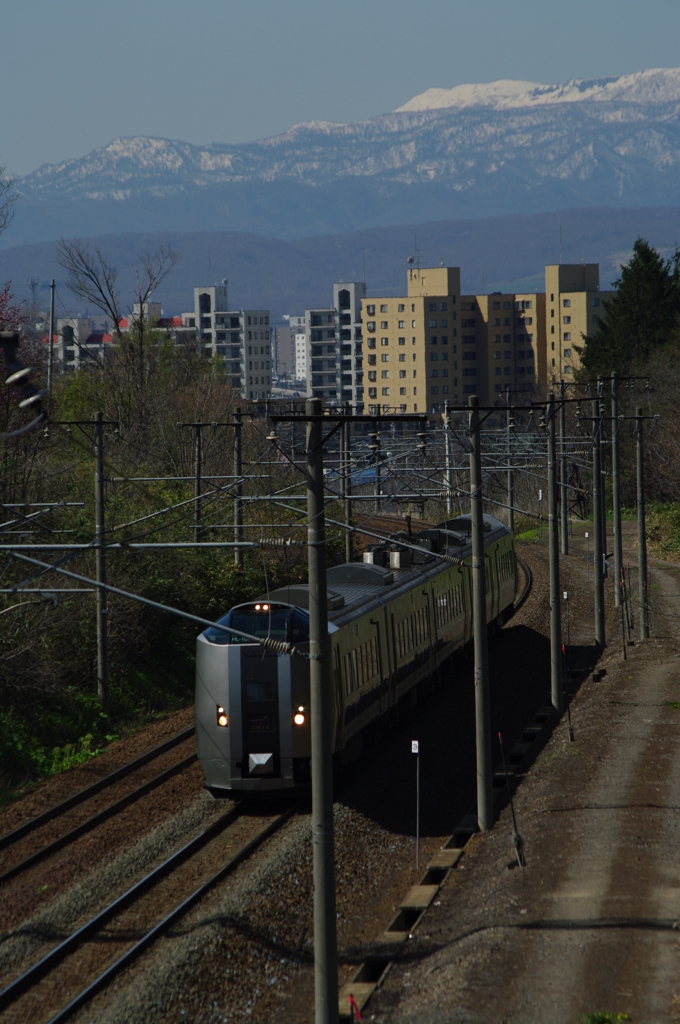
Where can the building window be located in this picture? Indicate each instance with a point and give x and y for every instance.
(432, 307)
(496, 305)
(567, 369)
(507, 370)
(434, 357)
(552, 329)
(413, 324)
(496, 371)
(432, 323)
(507, 305)
(442, 307)
(434, 390)
(566, 319)
(372, 392)
(385, 391)
(400, 307)
(506, 354)
(496, 321)
(567, 335)
(434, 373)
(371, 360)
(414, 374)
(384, 357)
(527, 304)
(383, 308)
(384, 374)
(472, 355)
(566, 303)
(370, 310)
(384, 341)
(415, 392)
(596, 302)
(496, 338)
(370, 326)
(469, 371)
(519, 338)
(443, 323)
(402, 357)
(372, 375)
(402, 341)
(402, 373)
(383, 325)
(402, 391)
(552, 312)
(469, 339)
(433, 339)
(506, 337)
(402, 408)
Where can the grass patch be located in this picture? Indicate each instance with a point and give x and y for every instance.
(673, 703)
(663, 529)
(602, 1017)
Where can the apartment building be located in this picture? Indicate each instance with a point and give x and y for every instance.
(573, 308)
(347, 298)
(412, 345)
(240, 337)
(321, 354)
(510, 337)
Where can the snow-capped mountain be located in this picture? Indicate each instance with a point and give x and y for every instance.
(475, 150)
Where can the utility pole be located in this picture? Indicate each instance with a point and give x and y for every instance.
(511, 509)
(616, 494)
(325, 935)
(100, 536)
(482, 713)
(238, 490)
(564, 503)
(376, 459)
(554, 552)
(603, 491)
(447, 446)
(197, 488)
(597, 530)
(642, 539)
(347, 483)
(50, 350)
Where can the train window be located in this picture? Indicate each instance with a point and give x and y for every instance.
(273, 624)
(259, 690)
(300, 627)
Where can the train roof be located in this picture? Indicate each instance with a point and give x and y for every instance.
(358, 586)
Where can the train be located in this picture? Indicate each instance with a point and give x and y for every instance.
(393, 620)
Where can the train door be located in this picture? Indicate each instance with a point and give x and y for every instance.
(260, 713)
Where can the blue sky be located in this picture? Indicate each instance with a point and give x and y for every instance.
(75, 74)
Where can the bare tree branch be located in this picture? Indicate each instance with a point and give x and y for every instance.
(7, 200)
(91, 278)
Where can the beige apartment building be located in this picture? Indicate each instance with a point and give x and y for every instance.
(411, 344)
(434, 344)
(573, 308)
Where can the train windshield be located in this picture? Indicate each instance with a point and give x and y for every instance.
(273, 624)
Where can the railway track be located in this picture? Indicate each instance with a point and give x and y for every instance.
(60, 809)
(528, 579)
(57, 980)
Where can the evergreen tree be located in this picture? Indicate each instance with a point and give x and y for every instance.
(640, 317)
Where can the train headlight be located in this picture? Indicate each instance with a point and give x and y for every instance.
(222, 717)
(299, 717)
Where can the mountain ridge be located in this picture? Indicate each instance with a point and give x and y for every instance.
(501, 148)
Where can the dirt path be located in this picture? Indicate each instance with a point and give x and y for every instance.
(588, 925)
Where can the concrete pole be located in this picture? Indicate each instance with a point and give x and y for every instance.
(100, 535)
(349, 538)
(50, 362)
(564, 494)
(511, 482)
(597, 531)
(447, 447)
(642, 539)
(616, 494)
(482, 713)
(197, 487)
(325, 937)
(376, 459)
(238, 490)
(603, 478)
(554, 553)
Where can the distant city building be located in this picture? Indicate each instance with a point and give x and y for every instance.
(573, 309)
(76, 345)
(240, 337)
(347, 299)
(321, 354)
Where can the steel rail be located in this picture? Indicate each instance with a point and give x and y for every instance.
(174, 915)
(56, 955)
(97, 819)
(95, 787)
(527, 587)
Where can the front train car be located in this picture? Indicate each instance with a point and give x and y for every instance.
(252, 705)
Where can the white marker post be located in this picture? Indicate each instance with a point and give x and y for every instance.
(415, 750)
(566, 598)
(587, 553)
(540, 515)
